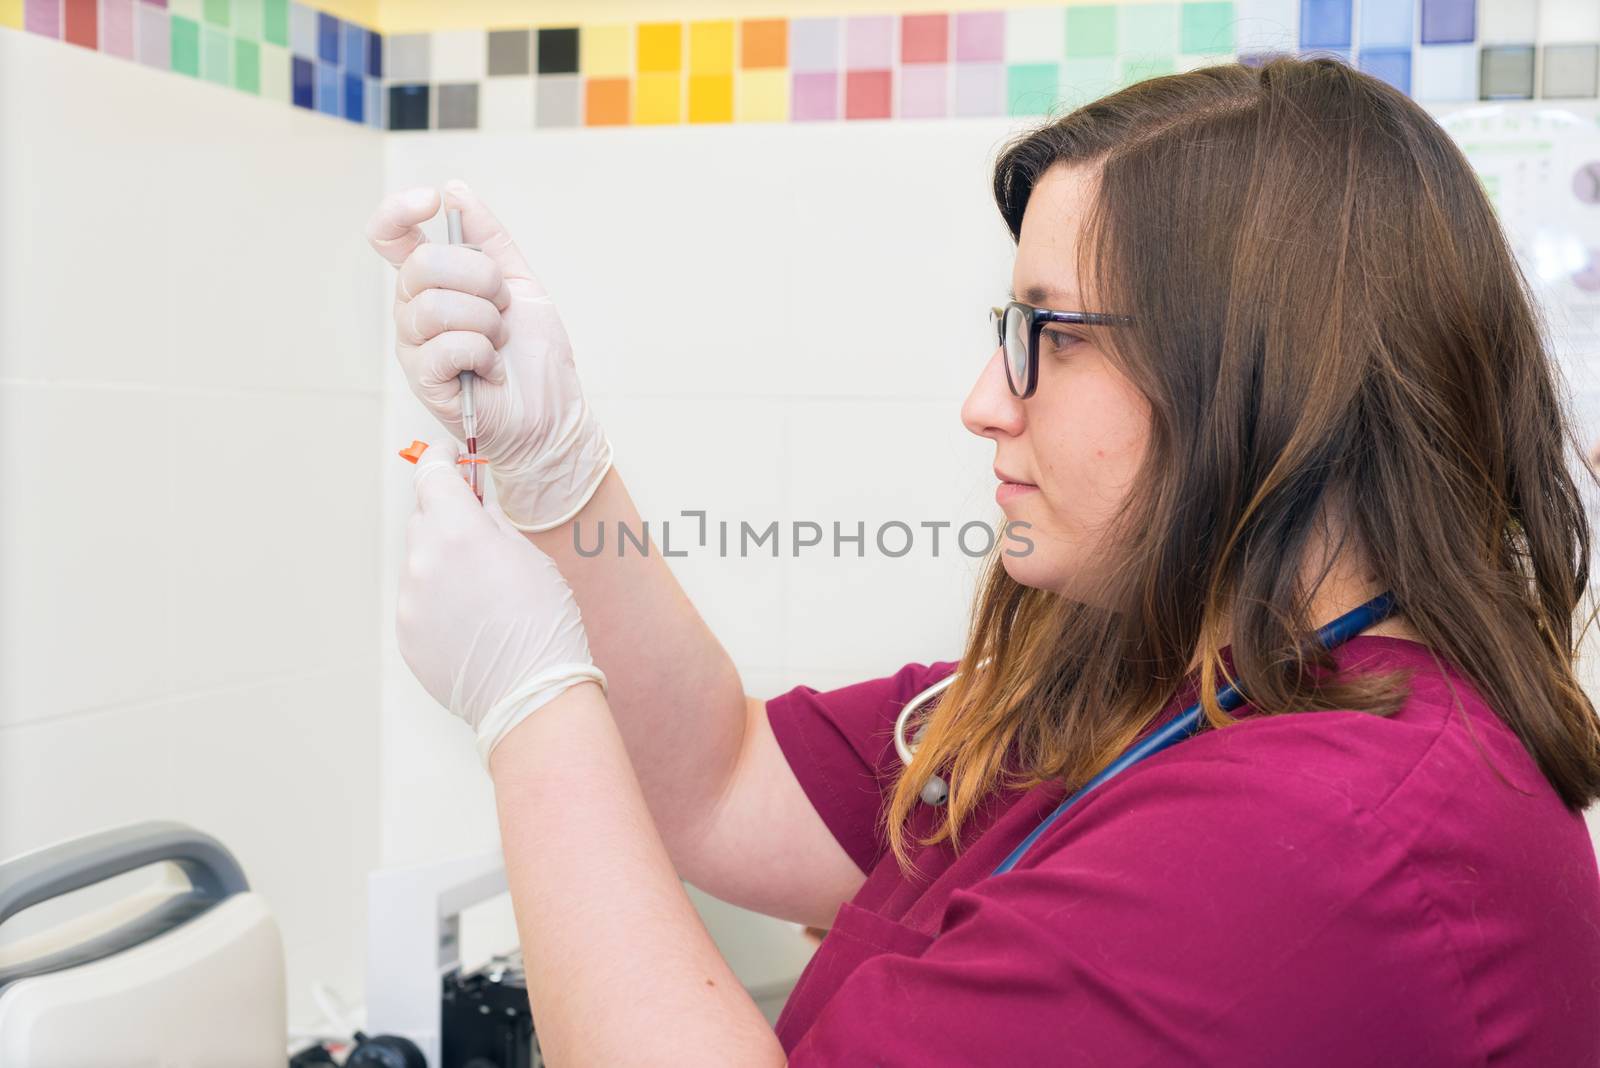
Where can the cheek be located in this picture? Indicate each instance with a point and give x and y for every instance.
(1094, 440)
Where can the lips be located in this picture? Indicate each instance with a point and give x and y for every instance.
(1003, 477)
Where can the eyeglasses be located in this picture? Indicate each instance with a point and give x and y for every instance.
(1017, 329)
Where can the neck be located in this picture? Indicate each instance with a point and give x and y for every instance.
(1348, 584)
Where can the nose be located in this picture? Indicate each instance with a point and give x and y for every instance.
(991, 409)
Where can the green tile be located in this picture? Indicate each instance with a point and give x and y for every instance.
(247, 19)
(1031, 88)
(1150, 29)
(217, 12)
(1083, 80)
(1138, 68)
(275, 22)
(186, 46)
(246, 65)
(1092, 31)
(1207, 28)
(216, 56)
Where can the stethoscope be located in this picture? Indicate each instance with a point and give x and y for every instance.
(936, 791)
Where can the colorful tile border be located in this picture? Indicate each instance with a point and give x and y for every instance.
(1014, 62)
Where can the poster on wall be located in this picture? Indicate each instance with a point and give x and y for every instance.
(1540, 165)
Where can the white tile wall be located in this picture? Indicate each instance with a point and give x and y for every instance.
(190, 403)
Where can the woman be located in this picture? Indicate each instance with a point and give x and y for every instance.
(1311, 375)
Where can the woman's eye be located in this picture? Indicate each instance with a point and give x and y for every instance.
(1059, 340)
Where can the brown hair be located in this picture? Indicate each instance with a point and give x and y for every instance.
(1329, 320)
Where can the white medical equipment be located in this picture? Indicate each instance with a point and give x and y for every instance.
(193, 978)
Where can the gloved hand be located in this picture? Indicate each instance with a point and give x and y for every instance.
(485, 620)
(460, 309)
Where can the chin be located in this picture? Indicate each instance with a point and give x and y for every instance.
(1035, 569)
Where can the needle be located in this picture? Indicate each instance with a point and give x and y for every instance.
(469, 412)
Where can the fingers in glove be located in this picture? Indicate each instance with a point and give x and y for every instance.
(456, 267)
(435, 311)
(394, 230)
(444, 500)
(480, 227)
(440, 359)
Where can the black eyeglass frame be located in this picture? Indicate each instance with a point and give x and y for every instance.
(1037, 318)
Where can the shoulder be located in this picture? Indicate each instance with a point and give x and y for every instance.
(861, 714)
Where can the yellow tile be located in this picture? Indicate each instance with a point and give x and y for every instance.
(763, 96)
(711, 47)
(11, 13)
(710, 98)
(657, 98)
(661, 47)
(607, 51)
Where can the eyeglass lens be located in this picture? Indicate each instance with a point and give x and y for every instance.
(1016, 339)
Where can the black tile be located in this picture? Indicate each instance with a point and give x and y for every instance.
(558, 50)
(408, 107)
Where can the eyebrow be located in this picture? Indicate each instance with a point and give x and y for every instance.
(1036, 295)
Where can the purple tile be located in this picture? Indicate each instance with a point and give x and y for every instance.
(155, 3)
(813, 44)
(1448, 21)
(869, 42)
(42, 16)
(815, 96)
(116, 28)
(924, 90)
(303, 78)
(981, 36)
(980, 89)
(155, 37)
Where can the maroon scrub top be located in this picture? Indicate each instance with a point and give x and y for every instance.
(1323, 888)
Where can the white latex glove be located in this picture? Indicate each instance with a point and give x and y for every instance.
(484, 618)
(460, 309)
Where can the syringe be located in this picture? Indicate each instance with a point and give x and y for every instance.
(469, 413)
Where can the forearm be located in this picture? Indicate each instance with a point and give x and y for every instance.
(674, 692)
(620, 969)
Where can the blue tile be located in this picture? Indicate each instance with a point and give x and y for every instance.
(374, 55)
(374, 103)
(327, 38)
(328, 89)
(1387, 25)
(1393, 65)
(304, 77)
(1448, 21)
(355, 106)
(354, 51)
(1324, 23)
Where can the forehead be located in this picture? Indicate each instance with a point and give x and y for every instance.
(1046, 268)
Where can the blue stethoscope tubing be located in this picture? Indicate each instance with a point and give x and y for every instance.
(1330, 636)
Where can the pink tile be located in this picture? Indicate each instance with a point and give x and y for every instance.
(815, 96)
(981, 35)
(924, 38)
(980, 89)
(869, 42)
(116, 27)
(924, 91)
(42, 16)
(867, 94)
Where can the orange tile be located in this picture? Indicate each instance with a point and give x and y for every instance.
(764, 43)
(605, 102)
